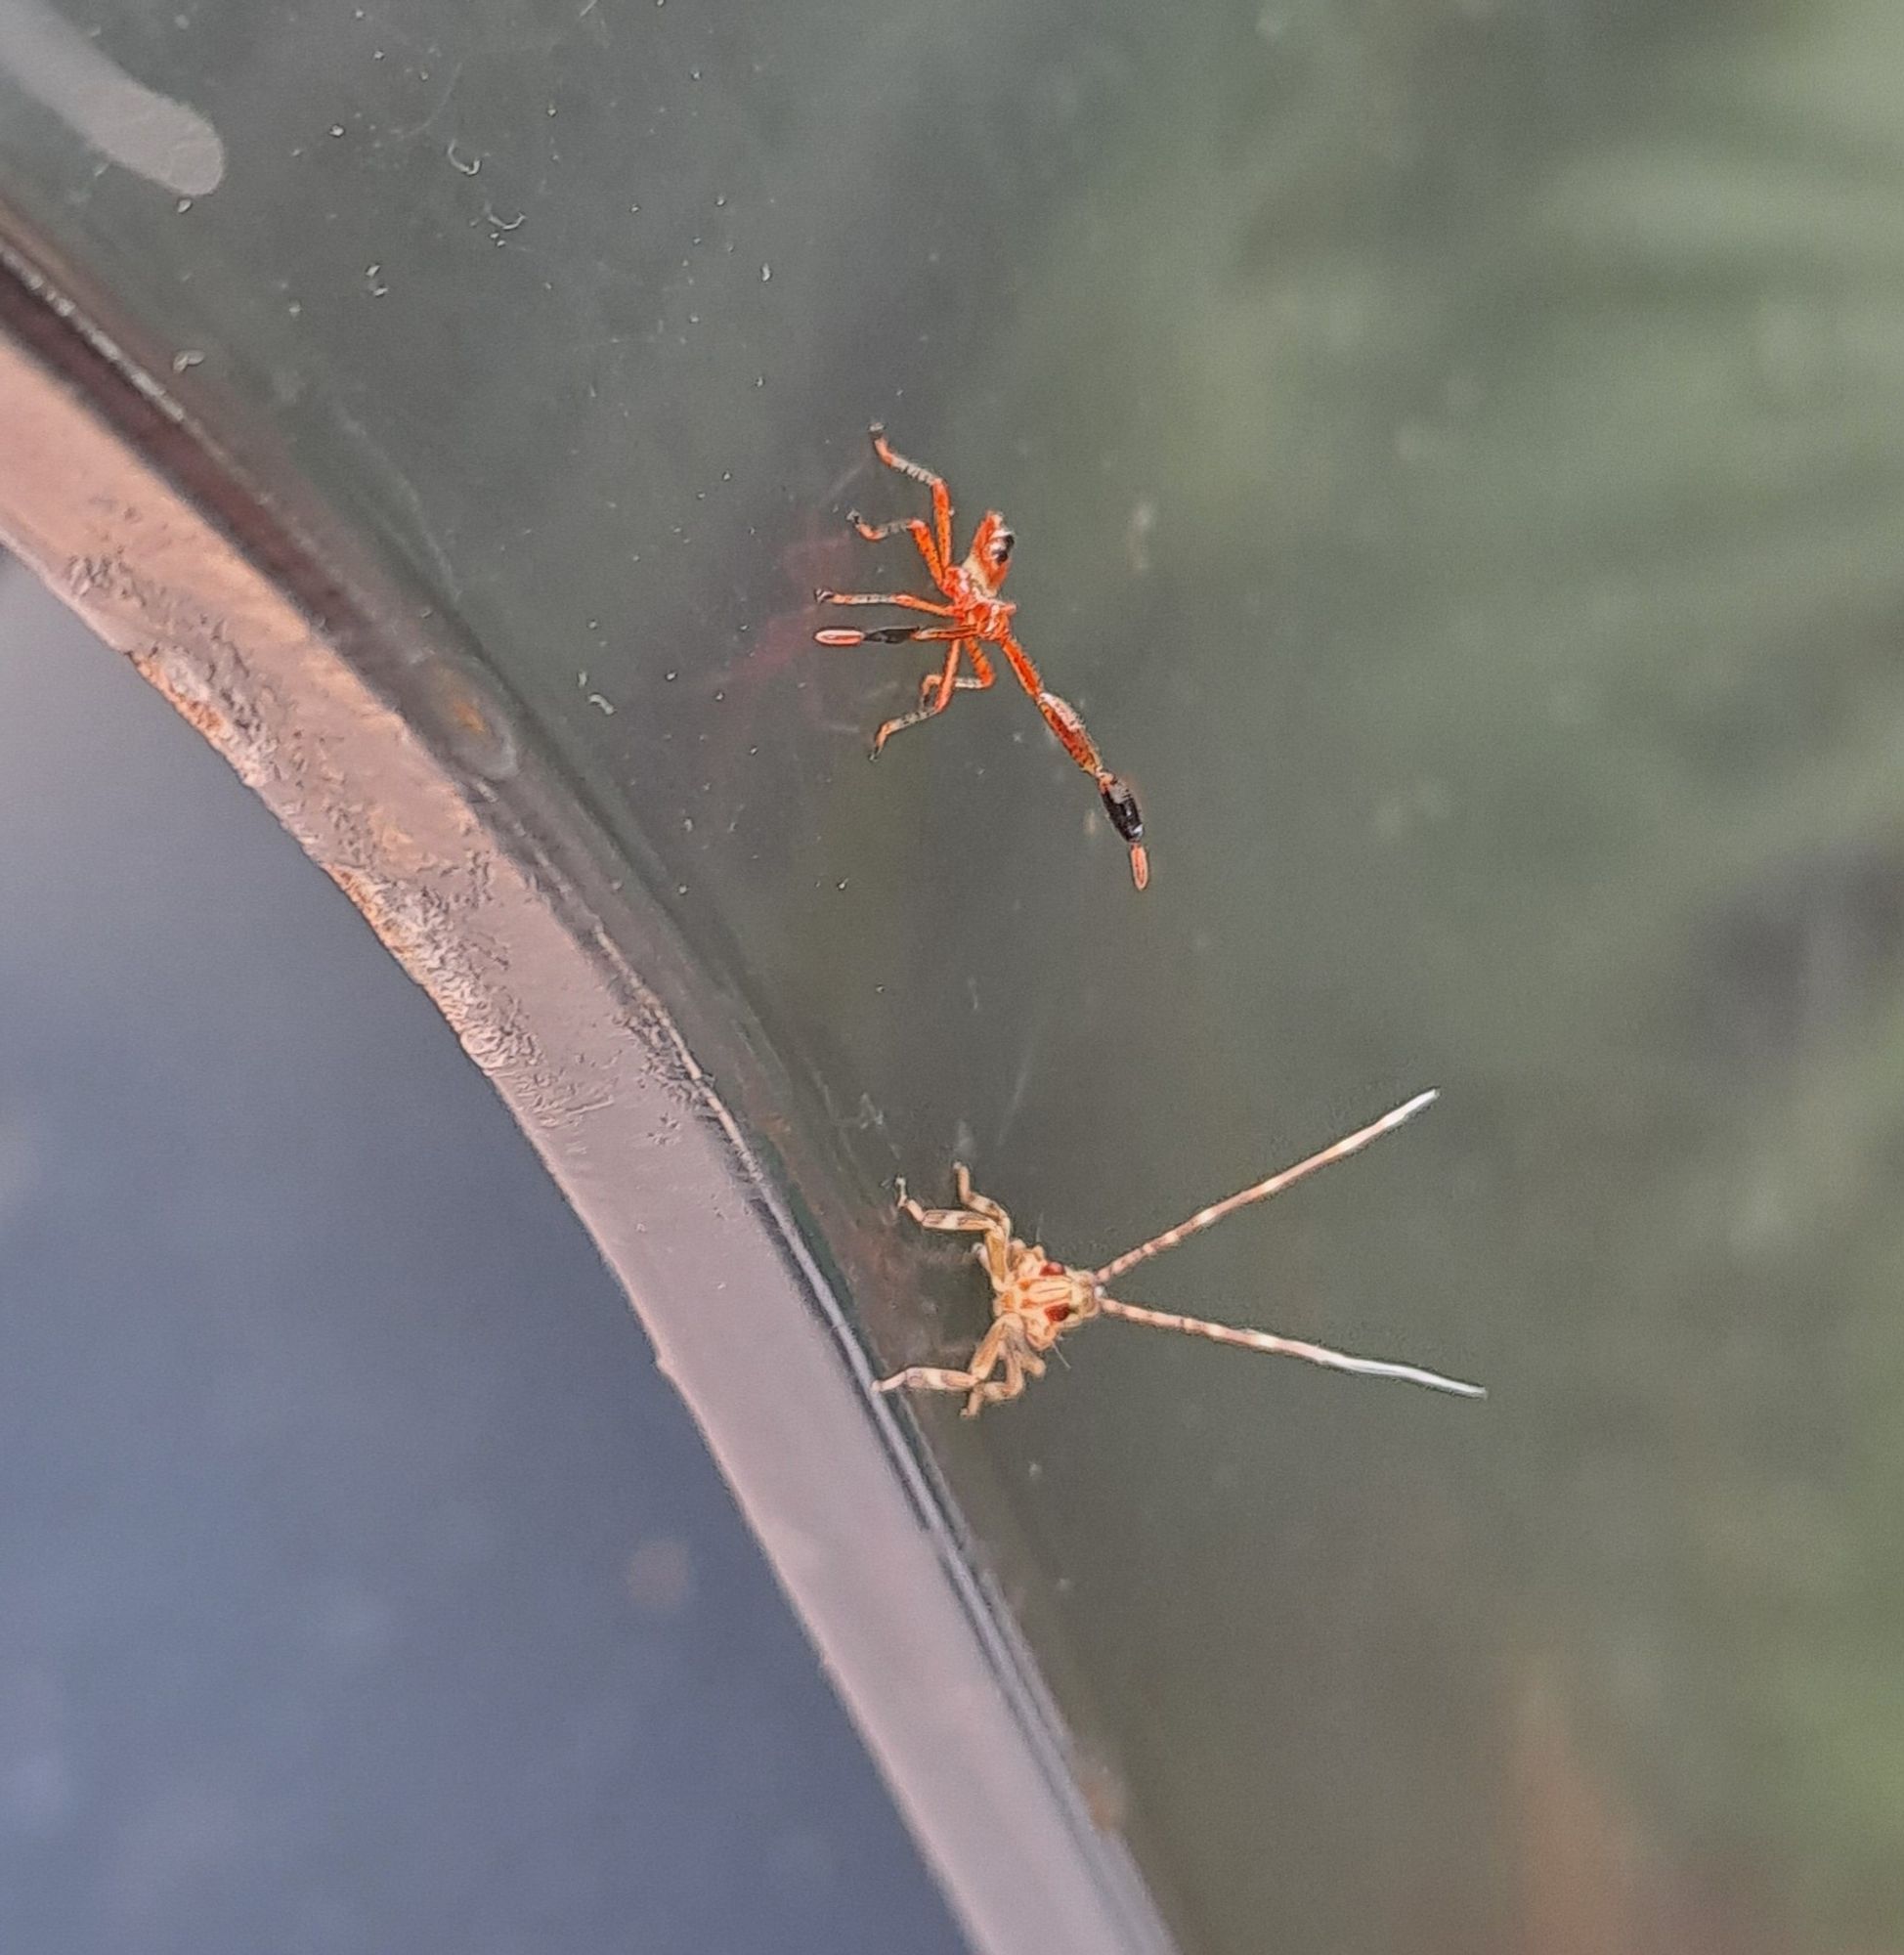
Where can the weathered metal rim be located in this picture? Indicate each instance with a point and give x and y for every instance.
(389, 758)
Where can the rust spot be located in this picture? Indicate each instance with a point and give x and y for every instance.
(475, 733)
(194, 708)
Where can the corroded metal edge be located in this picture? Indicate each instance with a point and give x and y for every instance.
(438, 843)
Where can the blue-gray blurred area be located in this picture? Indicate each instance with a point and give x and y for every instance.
(362, 1584)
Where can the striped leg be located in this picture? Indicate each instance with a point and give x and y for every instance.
(883, 634)
(935, 689)
(997, 1347)
(940, 540)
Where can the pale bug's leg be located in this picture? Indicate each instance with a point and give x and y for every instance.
(977, 1216)
(997, 1390)
(951, 1221)
(1004, 1345)
(976, 1379)
(980, 1205)
(995, 1251)
(928, 1378)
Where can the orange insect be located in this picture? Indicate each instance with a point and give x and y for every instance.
(975, 616)
(1035, 1301)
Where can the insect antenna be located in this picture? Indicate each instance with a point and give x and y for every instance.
(1287, 1347)
(1205, 1218)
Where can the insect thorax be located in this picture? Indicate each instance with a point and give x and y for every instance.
(1047, 1297)
(988, 619)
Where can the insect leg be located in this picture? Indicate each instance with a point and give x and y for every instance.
(995, 1391)
(927, 1378)
(912, 526)
(970, 1198)
(968, 1220)
(937, 1378)
(881, 635)
(942, 502)
(978, 681)
(934, 692)
(904, 599)
(1003, 1344)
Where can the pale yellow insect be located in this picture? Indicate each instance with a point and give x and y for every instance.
(1035, 1301)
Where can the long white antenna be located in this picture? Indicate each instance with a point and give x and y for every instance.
(1204, 1217)
(1288, 1347)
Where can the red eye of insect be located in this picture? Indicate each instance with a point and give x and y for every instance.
(1054, 1268)
(1057, 1313)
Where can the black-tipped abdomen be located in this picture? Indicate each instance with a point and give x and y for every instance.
(1121, 805)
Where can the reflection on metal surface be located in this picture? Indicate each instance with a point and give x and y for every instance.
(163, 141)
